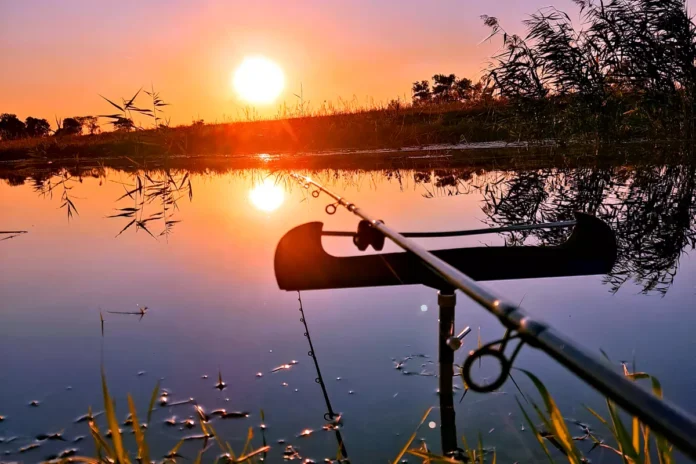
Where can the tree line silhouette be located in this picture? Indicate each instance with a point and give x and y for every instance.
(13, 128)
(627, 70)
(448, 88)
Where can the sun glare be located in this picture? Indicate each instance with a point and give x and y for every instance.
(267, 196)
(258, 80)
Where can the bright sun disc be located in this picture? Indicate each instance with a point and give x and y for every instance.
(267, 196)
(258, 80)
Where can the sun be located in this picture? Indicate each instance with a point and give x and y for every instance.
(267, 196)
(258, 80)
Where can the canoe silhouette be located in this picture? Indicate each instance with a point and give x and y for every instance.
(301, 263)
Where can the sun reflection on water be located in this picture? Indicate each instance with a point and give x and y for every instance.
(267, 196)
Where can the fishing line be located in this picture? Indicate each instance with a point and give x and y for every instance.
(330, 416)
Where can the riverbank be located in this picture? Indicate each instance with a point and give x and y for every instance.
(399, 127)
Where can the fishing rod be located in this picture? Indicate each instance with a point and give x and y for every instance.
(661, 415)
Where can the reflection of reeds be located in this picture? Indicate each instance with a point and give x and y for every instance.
(9, 234)
(146, 190)
(65, 181)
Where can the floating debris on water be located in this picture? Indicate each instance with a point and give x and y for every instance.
(141, 373)
(163, 400)
(305, 433)
(281, 441)
(172, 455)
(58, 436)
(424, 308)
(522, 428)
(293, 362)
(204, 376)
(171, 422)
(220, 385)
(296, 390)
(395, 395)
(262, 426)
(285, 384)
(197, 437)
(128, 421)
(281, 368)
(188, 423)
(34, 404)
(235, 415)
(2, 418)
(218, 412)
(109, 432)
(432, 424)
(27, 448)
(350, 392)
(259, 374)
(338, 378)
(67, 453)
(182, 402)
(78, 439)
(330, 427)
(143, 427)
(291, 453)
(88, 417)
(7, 440)
(164, 392)
(491, 430)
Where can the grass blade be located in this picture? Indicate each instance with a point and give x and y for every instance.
(559, 427)
(432, 457)
(535, 431)
(623, 439)
(151, 406)
(112, 422)
(263, 449)
(143, 449)
(413, 437)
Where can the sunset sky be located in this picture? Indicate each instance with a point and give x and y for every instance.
(57, 57)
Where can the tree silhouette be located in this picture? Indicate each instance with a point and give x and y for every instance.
(90, 123)
(37, 127)
(421, 92)
(70, 126)
(447, 88)
(123, 124)
(443, 87)
(11, 127)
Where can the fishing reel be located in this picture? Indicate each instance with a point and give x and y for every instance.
(368, 235)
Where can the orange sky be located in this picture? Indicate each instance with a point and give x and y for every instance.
(57, 57)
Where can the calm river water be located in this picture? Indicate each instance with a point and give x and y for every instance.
(203, 267)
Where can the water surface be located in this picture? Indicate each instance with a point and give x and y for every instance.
(203, 265)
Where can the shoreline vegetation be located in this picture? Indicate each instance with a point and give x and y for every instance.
(625, 71)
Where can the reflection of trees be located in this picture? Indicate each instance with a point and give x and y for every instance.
(651, 210)
(651, 207)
